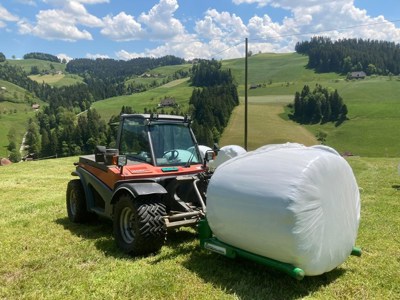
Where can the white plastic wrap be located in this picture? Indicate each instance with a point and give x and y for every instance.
(225, 154)
(291, 203)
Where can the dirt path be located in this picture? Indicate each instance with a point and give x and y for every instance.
(21, 149)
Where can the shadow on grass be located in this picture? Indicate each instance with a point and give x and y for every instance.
(248, 280)
(396, 187)
(98, 229)
(101, 230)
(243, 278)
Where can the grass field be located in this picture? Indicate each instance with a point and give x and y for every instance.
(373, 104)
(178, 89)
(265, 126)
(44, 256)
(43, 65)
(57, 80)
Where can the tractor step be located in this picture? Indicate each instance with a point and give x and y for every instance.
(183, 219)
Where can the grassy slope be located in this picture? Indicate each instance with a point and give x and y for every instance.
(149, 99)
(16, 98)
(373, 104)
(27, 64)
(44, 256)
(14, 113)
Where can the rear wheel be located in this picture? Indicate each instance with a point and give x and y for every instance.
(139, 225)
(76, 202)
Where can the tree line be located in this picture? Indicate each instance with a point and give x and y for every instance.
(213, 101)
(104, 68)
(349, 55)
(63, 133)
(42, 56)
(318, 106)
(59, 129)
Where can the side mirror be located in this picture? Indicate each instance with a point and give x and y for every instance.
(209, 155)
(122, 161)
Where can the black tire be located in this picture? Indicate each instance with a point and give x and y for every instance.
(139, 225)
(76, 202)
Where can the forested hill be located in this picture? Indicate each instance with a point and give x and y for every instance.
(110, 68)
(350, 55)
(103, 78)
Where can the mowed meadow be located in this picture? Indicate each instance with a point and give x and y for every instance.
(44, 256)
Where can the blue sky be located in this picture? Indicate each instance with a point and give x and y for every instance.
(125, 29)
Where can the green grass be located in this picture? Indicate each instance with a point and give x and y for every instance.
(44, 256)
(15, 111)
(14, 93)
(160, 73)
(265, 126)
(43, 65)
(373, 104)
(57, 80)
(275, 71)
(178, 89)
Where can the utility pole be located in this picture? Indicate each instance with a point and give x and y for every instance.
(245, 97)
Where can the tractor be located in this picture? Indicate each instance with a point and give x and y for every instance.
(155, 180)
(275, 211)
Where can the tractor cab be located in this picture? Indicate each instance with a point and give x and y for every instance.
(159, 140)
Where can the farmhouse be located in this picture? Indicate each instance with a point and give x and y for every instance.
(357, 75)
(167, 102)
(35, 106)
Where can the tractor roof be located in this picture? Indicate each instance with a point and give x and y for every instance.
(157, 117)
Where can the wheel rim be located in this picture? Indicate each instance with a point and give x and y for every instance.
(126, 225)
(73, 202)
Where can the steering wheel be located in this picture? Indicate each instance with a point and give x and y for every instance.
(174, 154)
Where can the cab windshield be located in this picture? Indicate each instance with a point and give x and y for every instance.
(160, 143)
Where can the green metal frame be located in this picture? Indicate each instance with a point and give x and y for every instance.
(209, 242)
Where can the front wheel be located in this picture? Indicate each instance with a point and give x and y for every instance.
(139, 225)
(76, 202)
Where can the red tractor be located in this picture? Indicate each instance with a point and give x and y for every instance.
(155, 180)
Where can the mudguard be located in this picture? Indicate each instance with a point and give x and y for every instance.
(140, 189)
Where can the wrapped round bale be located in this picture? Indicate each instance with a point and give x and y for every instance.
(295, 204)
(225, 154)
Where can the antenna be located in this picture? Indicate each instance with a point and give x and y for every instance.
(245, 97)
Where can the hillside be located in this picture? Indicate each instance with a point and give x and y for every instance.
(15, 110)
(50, 72)
(373, 104)
(44, 256)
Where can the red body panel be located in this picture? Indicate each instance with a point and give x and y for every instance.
(109, 175)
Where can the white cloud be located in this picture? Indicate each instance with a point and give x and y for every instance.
(222, 25)
(122, 27)
(63, 56)
(27, 2)
(94, 56)
(6, 16)
(54, 25)
(335, 19)
(189, 47)
(63, 23)
(160, 21)
(260, 3)
(159, 24)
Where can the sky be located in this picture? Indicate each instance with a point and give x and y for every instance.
(127, 29)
